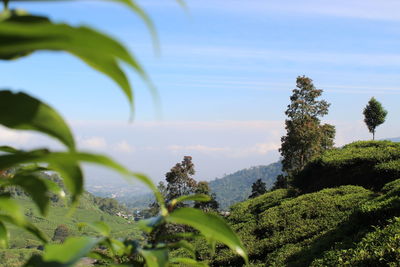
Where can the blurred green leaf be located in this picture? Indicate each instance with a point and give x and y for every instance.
(4, 236)
(71, 172)
(188, 262)
(12, 208)
(23, 112)
(149, 224)
(210, 225)
(67, 164)
(36, 188)
(117, 247)
(155, 257)
(194, 197)
(26, 225)
(71, 251)
(8, 149)
(54, 188)
(100, 227)
(97, 50)
(130, 4)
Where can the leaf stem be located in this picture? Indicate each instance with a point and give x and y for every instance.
(5, 2)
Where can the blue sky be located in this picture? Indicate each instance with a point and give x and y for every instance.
(225, 74)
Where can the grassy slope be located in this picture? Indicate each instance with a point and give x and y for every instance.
(24, 244)
(346, 225)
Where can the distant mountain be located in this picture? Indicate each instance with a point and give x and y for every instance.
(229, 189)
(236, 187)
(393, 139)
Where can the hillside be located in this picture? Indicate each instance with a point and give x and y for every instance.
(90, 209)
(346, 225)
(236, 187)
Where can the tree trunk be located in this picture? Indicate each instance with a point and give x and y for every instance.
(373, 135)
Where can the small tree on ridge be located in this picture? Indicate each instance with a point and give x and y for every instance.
(374, 115)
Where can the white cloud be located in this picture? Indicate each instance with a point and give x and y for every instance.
(14, 137)
(94, 142)
(264, 148)
(124, 147)
(229, 152)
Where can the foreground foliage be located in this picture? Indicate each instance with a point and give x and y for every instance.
(22, 34)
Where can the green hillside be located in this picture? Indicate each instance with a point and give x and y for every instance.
(236, 187)
(90, 209)
(346, 225)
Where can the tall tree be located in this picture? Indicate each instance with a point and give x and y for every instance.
(305, 136)
(179, 179)
(258, 188)
(204, 188)
(374, 115)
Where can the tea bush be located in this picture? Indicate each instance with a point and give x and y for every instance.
(370, 164)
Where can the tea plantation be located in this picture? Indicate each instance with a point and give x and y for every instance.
(23, 244)
(343, 211)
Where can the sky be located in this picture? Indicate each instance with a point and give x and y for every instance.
(224, 73)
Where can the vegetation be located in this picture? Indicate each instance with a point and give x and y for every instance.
(369, 164)
(236, 187)
(374, 115)
(346, 225)
(204, 189)
(21, 34)
(228, 190)
(258, 188)
(306, 138)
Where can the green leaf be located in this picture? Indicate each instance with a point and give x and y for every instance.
(130, 4)
(100, 227)
(8, 149)
(194, 197)
(12, 208)
(155, 257)
(210, 225)
(149, 224)
(185, 245)
(23, 112)
(54, 188)
(26, 225)
(117, 247)
(188, 262)
(97, 50)
(36, 188)
(67, 164)
(4, 236)
(71, 251)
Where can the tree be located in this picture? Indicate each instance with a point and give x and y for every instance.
(60, 233)
(204, 188)
(306, 138)
(258, 188)
(374, 115)
(179, 179)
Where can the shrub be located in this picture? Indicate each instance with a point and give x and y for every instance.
(293, 231)
(378, 248)
(61, 233)
(369, 164)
